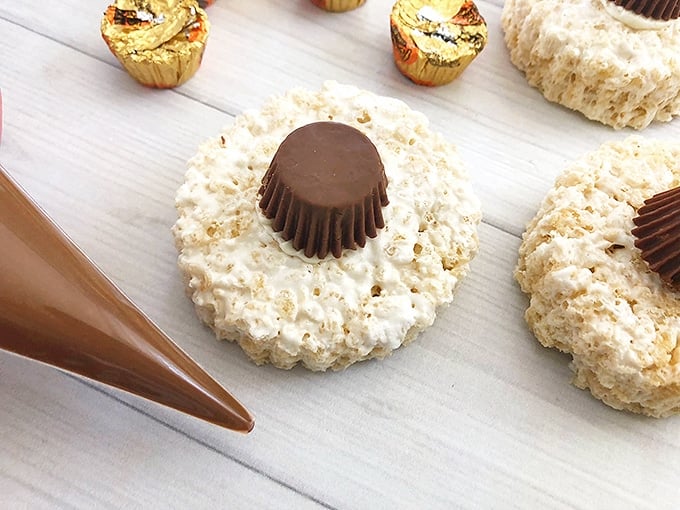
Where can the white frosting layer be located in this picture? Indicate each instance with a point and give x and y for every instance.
(629, 18)
(282, 309)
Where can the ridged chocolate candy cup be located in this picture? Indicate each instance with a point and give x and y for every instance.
(325, 189)
(658, 235)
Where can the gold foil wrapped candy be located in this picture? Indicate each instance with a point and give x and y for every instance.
(159, 42)
(435, 40)
(658, 235)
(338, 5)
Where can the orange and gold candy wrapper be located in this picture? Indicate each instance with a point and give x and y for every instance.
(338, 5)
(160, 43)
(433, 41)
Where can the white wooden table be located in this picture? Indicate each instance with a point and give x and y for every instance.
(474, 414)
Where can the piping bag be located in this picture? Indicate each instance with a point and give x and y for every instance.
(58, 308)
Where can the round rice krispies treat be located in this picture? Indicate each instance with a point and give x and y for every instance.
(250, 286)
(591, 293)
(580, 56)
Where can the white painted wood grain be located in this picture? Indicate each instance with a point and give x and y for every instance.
(54, 439)
(474, 414)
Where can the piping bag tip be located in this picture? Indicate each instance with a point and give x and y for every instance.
(58, 308)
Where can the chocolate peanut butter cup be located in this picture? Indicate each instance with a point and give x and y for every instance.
(433, 41)
(658, 235)
(160, 43)
(655, 9)
(325, 188)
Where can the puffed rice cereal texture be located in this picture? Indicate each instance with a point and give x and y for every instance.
(591, 294)
(578, 55)
(252, 288)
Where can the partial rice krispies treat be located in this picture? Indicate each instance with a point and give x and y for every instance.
(581, 57)
(282, 308)
(591, 294)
